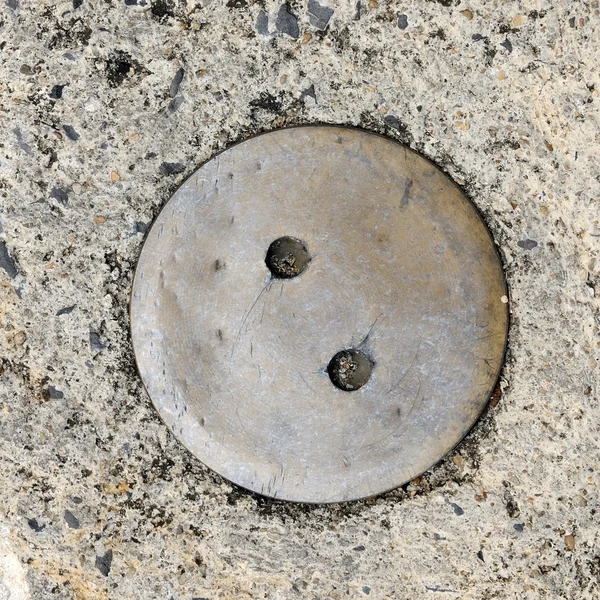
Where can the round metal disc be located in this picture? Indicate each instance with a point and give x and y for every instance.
(402, 268)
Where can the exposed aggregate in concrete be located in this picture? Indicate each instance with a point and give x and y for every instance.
(106, 107)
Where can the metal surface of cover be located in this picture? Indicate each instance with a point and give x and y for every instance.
(401, 267)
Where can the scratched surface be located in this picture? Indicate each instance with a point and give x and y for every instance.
(402, 267)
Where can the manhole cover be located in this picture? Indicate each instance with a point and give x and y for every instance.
(319, 314)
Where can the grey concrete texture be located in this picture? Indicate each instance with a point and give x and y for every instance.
(106, 107)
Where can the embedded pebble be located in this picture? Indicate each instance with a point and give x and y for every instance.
(286, 22)
(319, 15)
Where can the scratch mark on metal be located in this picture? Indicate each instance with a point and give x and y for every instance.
(404, 375)
(405, 196)
(248, 311)
(400, 425)
(306, 383)
(366, 338)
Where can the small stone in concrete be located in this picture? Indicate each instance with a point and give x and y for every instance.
(54, 393)
(319, 15)
(56, 92)
(71, 133)
(71, 519)
(176, 82)
(358, 11)
(96, 344)
(35, 525)
(60, 194)
(402, 21)
(22, 143)
(175, 103)
(104, 562)
(168, 168)
(457, 509)
(527, 244)
(7, 262)
(395, 123)
(262, 23)
(309, 92)
(66, 310)
(287, 23)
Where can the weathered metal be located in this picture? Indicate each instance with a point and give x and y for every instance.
(401, 267)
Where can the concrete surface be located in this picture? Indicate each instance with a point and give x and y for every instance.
(105, 108)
